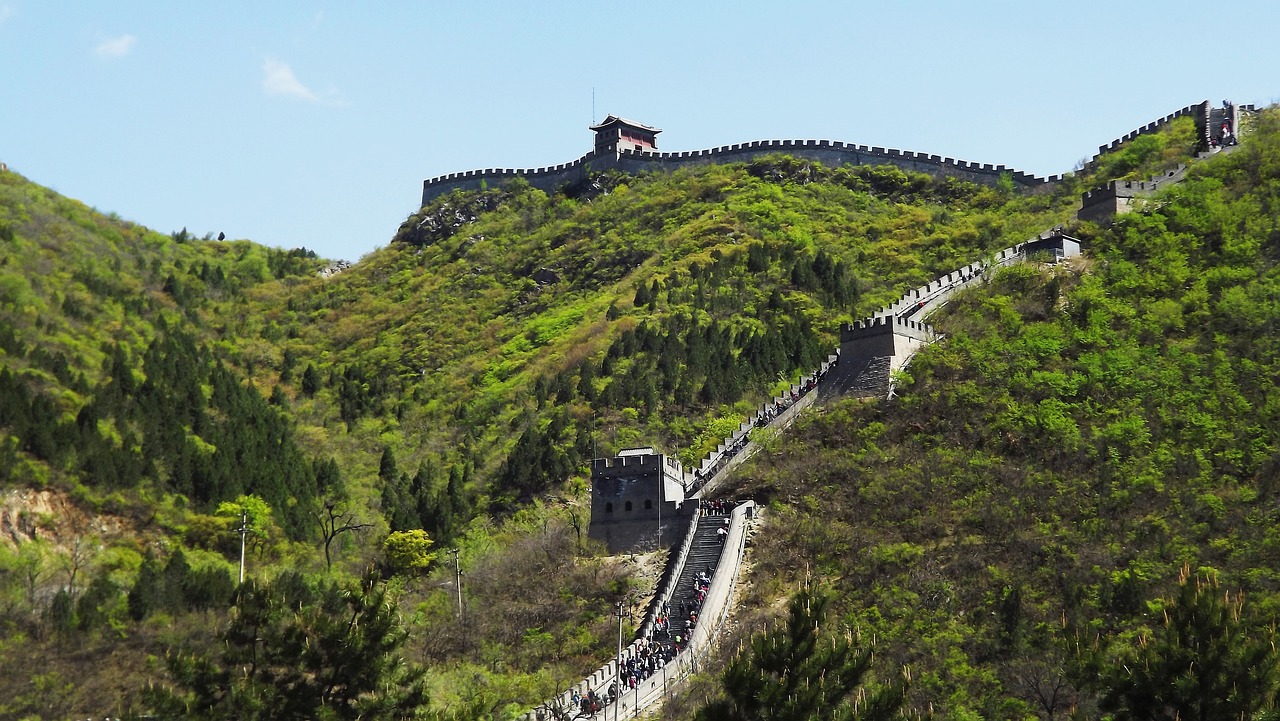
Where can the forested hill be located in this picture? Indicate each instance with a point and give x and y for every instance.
(646, 310)
(108, 380)
(1014, 525)
(456, 381)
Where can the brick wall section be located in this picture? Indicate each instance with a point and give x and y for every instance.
(833, 153)
(1199, 111)
(873, 348)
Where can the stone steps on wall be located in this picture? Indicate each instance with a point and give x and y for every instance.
(704, 555)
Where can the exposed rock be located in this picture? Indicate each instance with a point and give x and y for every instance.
(333, 268)
(445, 218)
(545, 276)
(27, 514)
(594, 185)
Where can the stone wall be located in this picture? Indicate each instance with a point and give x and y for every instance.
(833, 153)
(1119, 196)
(547, 179)
(1199, 111)
(715, 608)
(873, 348)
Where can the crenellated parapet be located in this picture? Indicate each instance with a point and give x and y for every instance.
(640, 496)
(1199, 111)
(835, 154)
(548, 179)
(873, 348)
(1119, 196)
(640, 160)
(889, 324)
(637, 157)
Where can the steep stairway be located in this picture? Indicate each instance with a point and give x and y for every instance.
(704, 556)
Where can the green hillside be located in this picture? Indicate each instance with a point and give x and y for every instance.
(1086, 434)
(1082, 434)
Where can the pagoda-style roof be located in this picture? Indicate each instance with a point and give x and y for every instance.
(615, 120)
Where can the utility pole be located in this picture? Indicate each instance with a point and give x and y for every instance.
(243, 530)
(617, 671)
(457, 568)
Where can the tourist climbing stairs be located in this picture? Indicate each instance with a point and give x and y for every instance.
(704, 556)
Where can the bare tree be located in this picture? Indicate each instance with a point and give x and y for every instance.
(77, 558)
(32, 564)
(1043, 680)
(575, 519)
(335, 519)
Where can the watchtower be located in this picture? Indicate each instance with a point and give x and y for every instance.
(638, 500)
(614, 135)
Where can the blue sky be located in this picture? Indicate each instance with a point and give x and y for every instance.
(314, 124)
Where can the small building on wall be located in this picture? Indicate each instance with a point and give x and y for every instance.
(615, 135)
(638, 501)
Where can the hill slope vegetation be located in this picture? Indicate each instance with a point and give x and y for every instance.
(1083, 433)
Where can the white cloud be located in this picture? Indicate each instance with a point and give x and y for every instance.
(5, 12)
(278, 79)
(116, 47)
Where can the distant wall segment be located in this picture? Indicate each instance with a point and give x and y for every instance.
(548, 179)
(829, 152)
(833, 153)
(1199, 111)
(873, 348)
(1202, 112)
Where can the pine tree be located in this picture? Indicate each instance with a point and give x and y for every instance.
(459, 504)
(174, 582)
(62, 613)
(800, 673)
(642, 295)
(1203, 661)
(95, 604)
(146, 595)
(334, 655)
(310, 380)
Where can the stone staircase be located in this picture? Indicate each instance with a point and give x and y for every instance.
(704, 557)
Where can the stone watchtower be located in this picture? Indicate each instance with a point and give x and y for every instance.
(638, 500)
(615, 135)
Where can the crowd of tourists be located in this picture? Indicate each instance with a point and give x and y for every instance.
(669, 634)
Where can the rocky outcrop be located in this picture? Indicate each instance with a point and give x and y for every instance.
(51, 515)
(443, 220)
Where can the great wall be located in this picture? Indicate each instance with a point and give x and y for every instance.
(870, 351)
(621, 153)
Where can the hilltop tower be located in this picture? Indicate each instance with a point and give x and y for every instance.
(615, 135)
